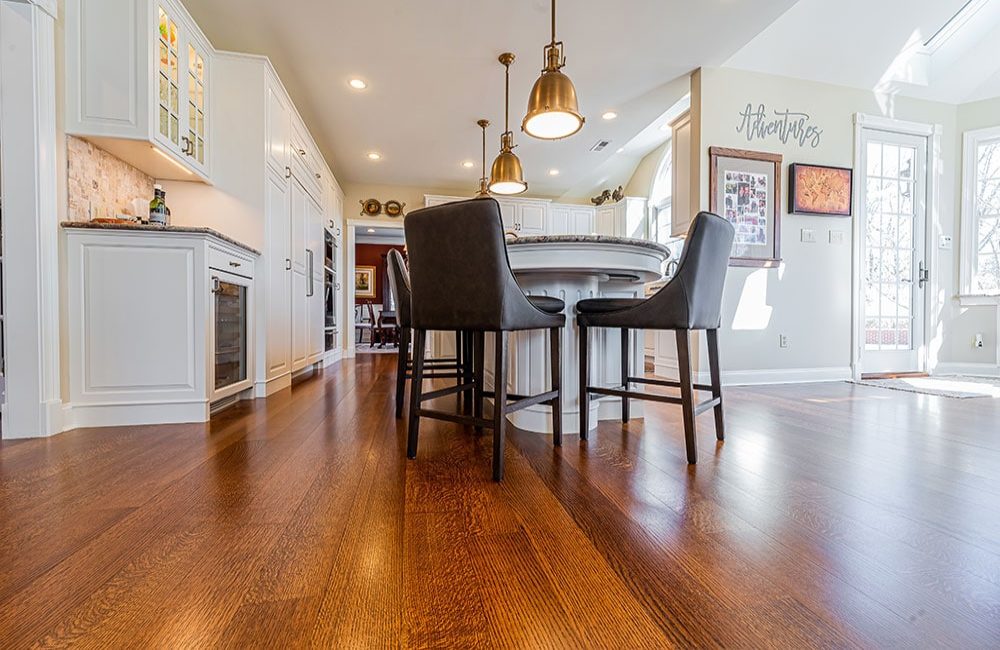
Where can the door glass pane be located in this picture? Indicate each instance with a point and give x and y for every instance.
(230, 334)
(167, 64)
(889, 240)
(196, 102)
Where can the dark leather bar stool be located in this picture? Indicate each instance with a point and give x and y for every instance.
(457, 367)
(691, 300)
(460, 280)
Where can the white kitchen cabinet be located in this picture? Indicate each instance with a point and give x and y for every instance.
(281, 208)
(684, 199)
(626, 218)
(531, 218)
(570, 220)
(140, 306)
(522, 217)
(277, 303)
(139, 84)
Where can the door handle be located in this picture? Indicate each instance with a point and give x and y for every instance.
(311, 288)
(923, 275)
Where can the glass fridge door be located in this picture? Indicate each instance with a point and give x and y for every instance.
(230, 333)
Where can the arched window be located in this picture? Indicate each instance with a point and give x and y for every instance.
(660, 199)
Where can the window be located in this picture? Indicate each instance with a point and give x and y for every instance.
(660, 195)
(981, 213)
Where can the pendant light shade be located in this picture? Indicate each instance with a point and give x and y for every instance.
(484, 181)
(507, 176)
(553, 109)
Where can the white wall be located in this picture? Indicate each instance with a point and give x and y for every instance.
(808, 298)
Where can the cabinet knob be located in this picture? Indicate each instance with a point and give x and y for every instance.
(318, 177)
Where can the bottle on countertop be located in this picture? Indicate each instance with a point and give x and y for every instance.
(159, 213)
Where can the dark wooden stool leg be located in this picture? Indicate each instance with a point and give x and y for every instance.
(625, 369)
(478, 358)
(468, 371)
(401, 363)
(713, 364)
(584, 384)
(459, 348)
(687, 393)
(416, 392)
(555, 359)
(499, 404)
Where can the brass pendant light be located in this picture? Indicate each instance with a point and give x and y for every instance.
(506, 176)
(553, 110)
(484, 181)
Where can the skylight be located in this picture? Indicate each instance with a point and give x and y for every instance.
(953, 25)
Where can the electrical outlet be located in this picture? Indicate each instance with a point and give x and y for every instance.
(782, 341)
(944, 242)
(809, 235)
(979, 340)
(837, 237)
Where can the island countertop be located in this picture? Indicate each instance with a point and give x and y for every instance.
(590, 239)
(145, 227)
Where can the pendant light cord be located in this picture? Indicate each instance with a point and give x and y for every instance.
(506, 98)
(553, 22)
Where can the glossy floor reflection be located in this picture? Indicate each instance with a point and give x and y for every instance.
(833, 515)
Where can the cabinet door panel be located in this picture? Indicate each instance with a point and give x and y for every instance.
(532, 219)
(196, 89)
(300, 321)
(582, 222)
(168, 79)
(299, 207)
(278, 278)
(559, 222)
(277, 131)
(508, 212)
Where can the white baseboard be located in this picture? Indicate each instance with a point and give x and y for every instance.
(272, 386)
(958, 368)
(759, 377)
(122, 414)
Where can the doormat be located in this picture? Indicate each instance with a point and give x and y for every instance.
(954, 386)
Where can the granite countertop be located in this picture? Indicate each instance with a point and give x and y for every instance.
(589, 239)
(197, 230)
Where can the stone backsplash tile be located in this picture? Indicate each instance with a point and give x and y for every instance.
(100, 185)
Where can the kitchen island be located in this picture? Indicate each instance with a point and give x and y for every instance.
(573, 268)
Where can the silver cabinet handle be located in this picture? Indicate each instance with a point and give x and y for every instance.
(288, 264)
(923, 275)
(235, 265)
(311, 288)
(216, 285)
(338, 286)
(302, 152)
(288, 172)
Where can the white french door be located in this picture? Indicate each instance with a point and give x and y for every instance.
(893, 223)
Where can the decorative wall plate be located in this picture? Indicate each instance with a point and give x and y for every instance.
(371, 207)
(394, 208)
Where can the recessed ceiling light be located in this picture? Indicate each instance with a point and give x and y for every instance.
(358, 84)
(665, 126)
(374, 155)
(468, 164)
(553, 172)
(371, 230)
(620, 149)
(610, 115)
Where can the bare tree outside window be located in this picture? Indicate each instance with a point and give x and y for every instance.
(987, 272)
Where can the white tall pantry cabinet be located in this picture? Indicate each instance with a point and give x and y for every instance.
(272, 190)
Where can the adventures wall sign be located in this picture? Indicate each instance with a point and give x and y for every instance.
(786, 126)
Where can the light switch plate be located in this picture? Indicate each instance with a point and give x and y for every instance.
(944, 242)
(836, 236)
(809, 235)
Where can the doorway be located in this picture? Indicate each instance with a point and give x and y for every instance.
(891, 251)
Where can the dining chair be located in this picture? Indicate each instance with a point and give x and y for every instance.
(691, 300)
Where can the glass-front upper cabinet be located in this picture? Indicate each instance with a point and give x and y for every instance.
(122, 89)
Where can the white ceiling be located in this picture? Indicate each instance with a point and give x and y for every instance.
(880, 46)
(432, 72)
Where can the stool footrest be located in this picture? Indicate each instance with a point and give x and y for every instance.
(451, 390)
(455, 417)
(669, 383)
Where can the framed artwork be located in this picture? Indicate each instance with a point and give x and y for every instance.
(364, 282)
(744, 188)
(818, 189)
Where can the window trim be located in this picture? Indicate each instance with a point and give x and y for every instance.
(968, 255)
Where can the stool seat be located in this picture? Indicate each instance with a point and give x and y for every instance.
(607, 305)
(548, 304)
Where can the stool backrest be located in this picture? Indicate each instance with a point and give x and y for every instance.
(460, 276)
(399, 284)
(701, 271)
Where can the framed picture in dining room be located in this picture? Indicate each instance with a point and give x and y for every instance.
(820, 189)
(744, 187)
(364, 282)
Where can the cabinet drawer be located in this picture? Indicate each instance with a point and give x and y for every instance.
(230, 262)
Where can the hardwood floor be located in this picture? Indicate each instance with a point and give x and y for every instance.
(834, 515)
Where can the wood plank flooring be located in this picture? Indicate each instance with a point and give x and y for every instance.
(834, 515)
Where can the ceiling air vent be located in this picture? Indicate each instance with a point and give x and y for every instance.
(600, 145)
